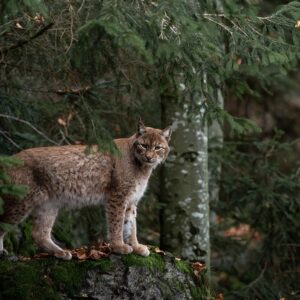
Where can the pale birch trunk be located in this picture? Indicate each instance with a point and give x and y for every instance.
(185, 213)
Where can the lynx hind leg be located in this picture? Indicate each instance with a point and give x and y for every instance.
(43, 220)
(15, 211)
(130, 232)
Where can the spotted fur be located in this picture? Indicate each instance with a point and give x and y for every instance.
(67, 177)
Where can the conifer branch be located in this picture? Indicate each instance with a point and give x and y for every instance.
(24, 42)
(31, 126)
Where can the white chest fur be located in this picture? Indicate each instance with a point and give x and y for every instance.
(138, 191)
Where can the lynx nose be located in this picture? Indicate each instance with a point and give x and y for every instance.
(149, 158)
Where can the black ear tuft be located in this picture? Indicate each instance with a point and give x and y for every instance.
(141, 128)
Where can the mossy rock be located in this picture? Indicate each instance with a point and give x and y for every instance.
(117, 277)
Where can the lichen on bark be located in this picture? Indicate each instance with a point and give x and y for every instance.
(184, 190)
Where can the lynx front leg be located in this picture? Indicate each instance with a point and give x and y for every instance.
(115, 213)
(130, 232)
(43, 220)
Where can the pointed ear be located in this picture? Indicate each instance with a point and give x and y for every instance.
(166, 133)
(141, 128)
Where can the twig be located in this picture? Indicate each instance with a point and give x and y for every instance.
(218, 23)
(71, 10)
(24, 42)
(73, 91)
(10, 140)
(251, 284)
(81, 6)
(63, 138)
(224, 16)
(30, 125)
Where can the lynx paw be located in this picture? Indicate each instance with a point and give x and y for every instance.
(121, 248)
(64, 254)
(141, 250)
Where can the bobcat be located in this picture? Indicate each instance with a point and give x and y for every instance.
(66, 177)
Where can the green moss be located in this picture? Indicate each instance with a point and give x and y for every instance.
(183, 266)
(154, 261)
(43, 279)
(68, 276)
(24, 281)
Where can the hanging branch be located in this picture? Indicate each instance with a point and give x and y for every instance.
(24, 42)
(31, 126)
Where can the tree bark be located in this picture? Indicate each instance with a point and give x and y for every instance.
(184, 190)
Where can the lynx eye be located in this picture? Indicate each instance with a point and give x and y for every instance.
(157, 147)
(144, 146)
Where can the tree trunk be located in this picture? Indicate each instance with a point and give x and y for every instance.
(184, 189)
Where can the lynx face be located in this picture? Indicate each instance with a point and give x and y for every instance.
(151, 145)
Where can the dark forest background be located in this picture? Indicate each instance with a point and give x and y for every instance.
(226, 73)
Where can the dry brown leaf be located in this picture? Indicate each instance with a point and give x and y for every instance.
(220, 296)
(96, 254)
(79, 253)
(196, 273)
(160, 252)
(41, 255)
(198, 266)
(61, 121)
(97, 251)
(18, 25)
(24, 258)
(103, 247)
(39, 19)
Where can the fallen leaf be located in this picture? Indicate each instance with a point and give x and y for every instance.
(18, 25)
(103, 247)
(160, 252)
(24, 258)
(198, 266)
(41, 255)
(96, 254)
(61, 121)
(97, 251)
(220, 296)
(39, 19)
(79, 253)
(196, 273)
